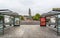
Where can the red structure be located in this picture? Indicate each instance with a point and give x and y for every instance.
(43, 21)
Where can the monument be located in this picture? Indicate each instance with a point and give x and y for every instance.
(30, 17)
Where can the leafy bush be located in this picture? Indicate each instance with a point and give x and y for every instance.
(36, 17)
(22, 18)
(1, 17)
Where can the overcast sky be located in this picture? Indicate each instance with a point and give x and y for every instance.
(36, 6)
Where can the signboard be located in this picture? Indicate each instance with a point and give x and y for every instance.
(58, 16)
(42, 21)
(6, 19)
(53, 20)
(17, 21)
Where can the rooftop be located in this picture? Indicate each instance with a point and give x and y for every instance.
(51, 13)
(7, 12)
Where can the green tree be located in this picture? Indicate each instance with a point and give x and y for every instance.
(22, 18)
(1, 17)
(36, 17)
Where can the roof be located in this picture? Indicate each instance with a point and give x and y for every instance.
(50, 13)
(7, 12)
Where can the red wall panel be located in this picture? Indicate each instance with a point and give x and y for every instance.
(42, 21)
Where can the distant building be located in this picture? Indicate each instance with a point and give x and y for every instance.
(29, 12)
(29, 17)
(56, 9)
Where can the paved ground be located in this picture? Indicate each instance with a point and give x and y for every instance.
(30, 23)
(29, 31)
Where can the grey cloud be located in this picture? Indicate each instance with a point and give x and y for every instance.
(22, 6)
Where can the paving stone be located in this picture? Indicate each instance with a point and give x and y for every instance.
(29, 31)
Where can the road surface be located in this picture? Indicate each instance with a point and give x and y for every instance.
(29, 31)
(30, 22)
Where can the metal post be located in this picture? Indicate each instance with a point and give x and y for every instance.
(1, 24)
(58, 27)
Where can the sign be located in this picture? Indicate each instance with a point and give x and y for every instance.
(53, 20)
(43, 21)
(58, 16)
(17, 21)
(6, 19)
